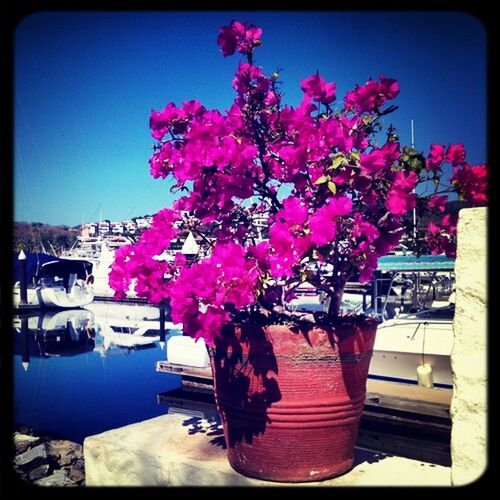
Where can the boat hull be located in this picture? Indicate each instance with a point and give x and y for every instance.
(54, 297)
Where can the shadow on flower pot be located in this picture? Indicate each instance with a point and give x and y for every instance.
(244, 366)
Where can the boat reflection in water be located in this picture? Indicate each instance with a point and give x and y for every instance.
(78, 372)
(54, 333)
(123, 328)
(74, 331)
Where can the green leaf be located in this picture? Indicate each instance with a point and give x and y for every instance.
(332, 187)
(322, 179)
(416, 163)
(355, 155)
(339, 160)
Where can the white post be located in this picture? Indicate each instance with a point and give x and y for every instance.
(468, 359)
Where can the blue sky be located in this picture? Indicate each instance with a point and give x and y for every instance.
(85, 84)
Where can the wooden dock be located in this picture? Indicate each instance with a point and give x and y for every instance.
(379, 393)
(193, 378)
(402, 419)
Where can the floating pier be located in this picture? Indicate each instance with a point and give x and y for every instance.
(406, 420)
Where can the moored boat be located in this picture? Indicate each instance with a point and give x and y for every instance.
(52, 282)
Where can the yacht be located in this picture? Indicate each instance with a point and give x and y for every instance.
(52, 282)
(100, 251)
(413, 300)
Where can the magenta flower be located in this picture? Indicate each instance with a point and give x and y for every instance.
(455, 154)
(323, 223)
(435, 158)
(472, 183)
(399, 199)
(371, 96)
(440, 237)
(318, 90)
(379, 159)
(238, 36)
(389, 88)
(227, 40)
(323, 226)
(280, 194)
(438, 202)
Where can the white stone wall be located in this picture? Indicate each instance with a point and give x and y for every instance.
(469, 359)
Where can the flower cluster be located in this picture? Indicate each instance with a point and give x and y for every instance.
(279, 195)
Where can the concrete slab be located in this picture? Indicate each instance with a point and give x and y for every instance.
(179, 450)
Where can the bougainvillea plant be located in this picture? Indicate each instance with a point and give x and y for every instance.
(279, 195)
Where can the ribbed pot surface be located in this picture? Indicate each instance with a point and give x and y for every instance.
(291, 400)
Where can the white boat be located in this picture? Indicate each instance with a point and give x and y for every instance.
(409, 341)
(133, 314)
(410, 344)
(100, 251)
(53, 282)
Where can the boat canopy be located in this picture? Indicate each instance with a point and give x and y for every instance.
(65, 267)
(41, 265)
(412, 263)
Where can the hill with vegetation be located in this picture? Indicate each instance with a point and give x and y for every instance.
(39, 237)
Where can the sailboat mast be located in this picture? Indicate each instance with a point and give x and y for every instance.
(414, 210)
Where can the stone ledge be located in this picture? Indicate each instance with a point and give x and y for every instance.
(179, 450)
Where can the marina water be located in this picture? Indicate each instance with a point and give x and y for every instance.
(84, 371)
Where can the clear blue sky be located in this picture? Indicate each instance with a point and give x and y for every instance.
(85, 84)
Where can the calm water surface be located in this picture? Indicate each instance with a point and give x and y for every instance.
(82, 372)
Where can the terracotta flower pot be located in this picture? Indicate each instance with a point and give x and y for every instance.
(291, 400)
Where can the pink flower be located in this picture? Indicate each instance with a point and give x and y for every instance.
(472, 183)
(399, 199)
(294, 213)
(433, 228)
(238, 36)
(245, 76)
(318, 90)
(438, 202)
(435, 158)
(161, 122)
(227, 40)
(371, 96)
(364, 228)
(441, 239)
(389, 87)
(277, 194)
(379, 159)
(193, 108)
(323, 226)
(455, 154)
(323, 223)
(400, 202)
(340, 205)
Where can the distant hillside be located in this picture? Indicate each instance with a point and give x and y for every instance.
(38, 237)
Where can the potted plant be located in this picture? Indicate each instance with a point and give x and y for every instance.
(277, 196)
